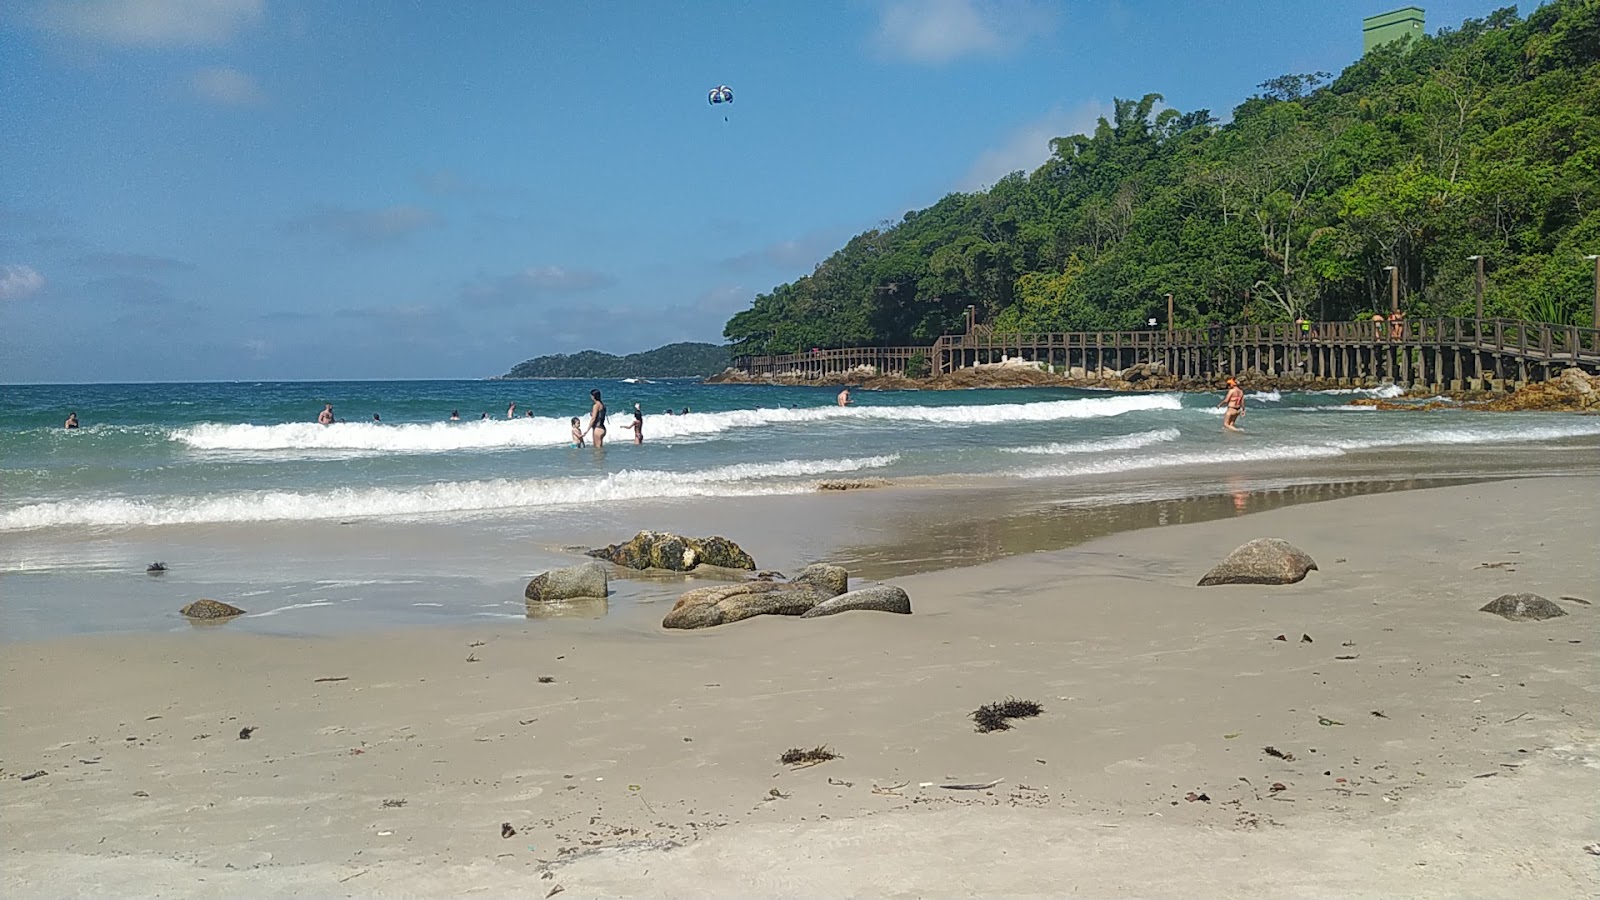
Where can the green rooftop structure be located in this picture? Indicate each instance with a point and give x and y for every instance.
(1405, 22)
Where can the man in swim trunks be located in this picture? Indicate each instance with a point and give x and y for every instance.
(1234, 400)
(326, 416)
(844, 397)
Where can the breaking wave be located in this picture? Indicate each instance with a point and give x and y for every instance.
(1101, 445)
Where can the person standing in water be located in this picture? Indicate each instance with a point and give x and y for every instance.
(1234, 400)
(597, 420)
(844, 397)
(72, 421)
(638, 424)
(326, 416)
(511, 411)
(455, 415)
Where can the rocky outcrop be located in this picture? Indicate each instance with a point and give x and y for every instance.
(210, 610)
(719, 605)
(830, 581)
(675, 553)
(1523, 608)
(1571, 391)
(851, 484)
(882, 598)
(568, 583)
(1262, 561)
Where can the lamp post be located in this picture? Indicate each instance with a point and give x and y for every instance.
(1595, 322)
(1394, 288)
(1479, 260)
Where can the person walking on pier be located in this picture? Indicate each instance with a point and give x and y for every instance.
(1234, 400)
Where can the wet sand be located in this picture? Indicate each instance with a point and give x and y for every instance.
(1451, 754)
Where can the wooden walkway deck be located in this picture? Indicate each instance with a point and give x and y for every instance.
(1444, 353)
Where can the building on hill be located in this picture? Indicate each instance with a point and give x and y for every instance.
(1396, 25)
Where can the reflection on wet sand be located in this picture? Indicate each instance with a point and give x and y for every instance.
(985, 532)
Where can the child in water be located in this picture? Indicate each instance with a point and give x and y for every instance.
(577, 432)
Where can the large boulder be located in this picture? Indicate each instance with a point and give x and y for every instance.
(567, 583)
(1262, 561)
(719, 605)
(882, 597)
(211, 609)
(675, 553)
(1523, 608)
(830, 581)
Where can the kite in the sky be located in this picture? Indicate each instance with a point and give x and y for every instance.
(720, 94)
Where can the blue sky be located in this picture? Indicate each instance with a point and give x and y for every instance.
(264, 189)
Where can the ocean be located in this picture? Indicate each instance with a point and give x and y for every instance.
(411, 517)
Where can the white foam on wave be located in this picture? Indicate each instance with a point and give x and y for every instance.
(744, 479)
(1264, 396)
(1383, 392)
(1101, 445)
(1473, 435)
(1173, 460)
(549, 431)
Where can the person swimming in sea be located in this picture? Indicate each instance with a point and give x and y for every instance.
(638, 424)
(844, 397)
(375, 418)
(577, 432)
(326, 416)
(511, 411)
(455, 415)
(1234, 400)
(597, 420)
(72, 421)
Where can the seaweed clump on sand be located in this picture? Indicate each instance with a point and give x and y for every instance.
(997, 716)
(798, 757)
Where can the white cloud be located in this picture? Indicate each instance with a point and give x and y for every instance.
(1027, 147)
(533, 284)
(152, 23)
(17, 282)
(938, 31)
(794, 253)
(226, 86)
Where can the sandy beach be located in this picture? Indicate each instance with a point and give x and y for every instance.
(1437, 751)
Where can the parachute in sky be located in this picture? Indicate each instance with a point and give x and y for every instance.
(720, 94)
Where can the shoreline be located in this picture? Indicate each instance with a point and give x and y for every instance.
(1152, 688)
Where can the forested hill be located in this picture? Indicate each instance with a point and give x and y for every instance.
(1481, 140)
(671, 361)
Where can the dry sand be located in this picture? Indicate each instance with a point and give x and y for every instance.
(648, 766)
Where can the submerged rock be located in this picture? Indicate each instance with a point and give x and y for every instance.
(675, 553)
(709, 606)
(882, 598)
(1522, 608)
(567, 583)
(1262, 561)
(828, 580)
(211, 609)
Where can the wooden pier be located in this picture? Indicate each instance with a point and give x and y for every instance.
(1437, 354)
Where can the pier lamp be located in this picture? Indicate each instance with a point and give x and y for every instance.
(1394, 287)
(1478, 258)
(1595, 258)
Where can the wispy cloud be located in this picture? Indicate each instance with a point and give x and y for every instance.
(1027, 147)
(801, 252)
(361, 228)
(132, 262)
(940, 31)
(151, 23)
(18, 281)
(533, 284)
(226, 86)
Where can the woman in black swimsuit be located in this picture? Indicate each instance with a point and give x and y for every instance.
(597, 420)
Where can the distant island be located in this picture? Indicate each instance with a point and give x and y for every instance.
(672, 361)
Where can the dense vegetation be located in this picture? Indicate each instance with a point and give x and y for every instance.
(1480, 140)
(671, 361)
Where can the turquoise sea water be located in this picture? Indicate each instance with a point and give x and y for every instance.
(162, 454)
(416, 519)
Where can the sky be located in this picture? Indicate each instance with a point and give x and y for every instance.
(294, 189)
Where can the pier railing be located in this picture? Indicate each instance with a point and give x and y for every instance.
(1444, 352)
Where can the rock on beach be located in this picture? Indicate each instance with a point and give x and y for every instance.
(1262, 561)
(881, 598)
(675, 553)
(709, 606)
(211, 609)
(1523, 608)
(827, 580)
(587, 580)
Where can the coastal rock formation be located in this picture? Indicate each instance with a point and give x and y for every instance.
(828, 580)
(567, 583)
(882, 598)
(1571, 391)
(675, 553)
(719, 605)
(1262, 561)
(851, 484)
(210, 609)
(1522, 608)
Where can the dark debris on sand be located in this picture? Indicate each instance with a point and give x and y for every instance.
(995, 716)
(798, 757)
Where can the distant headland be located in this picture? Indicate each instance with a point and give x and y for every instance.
(682, 360)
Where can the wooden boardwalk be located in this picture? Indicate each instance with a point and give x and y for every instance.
(1441, 354)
